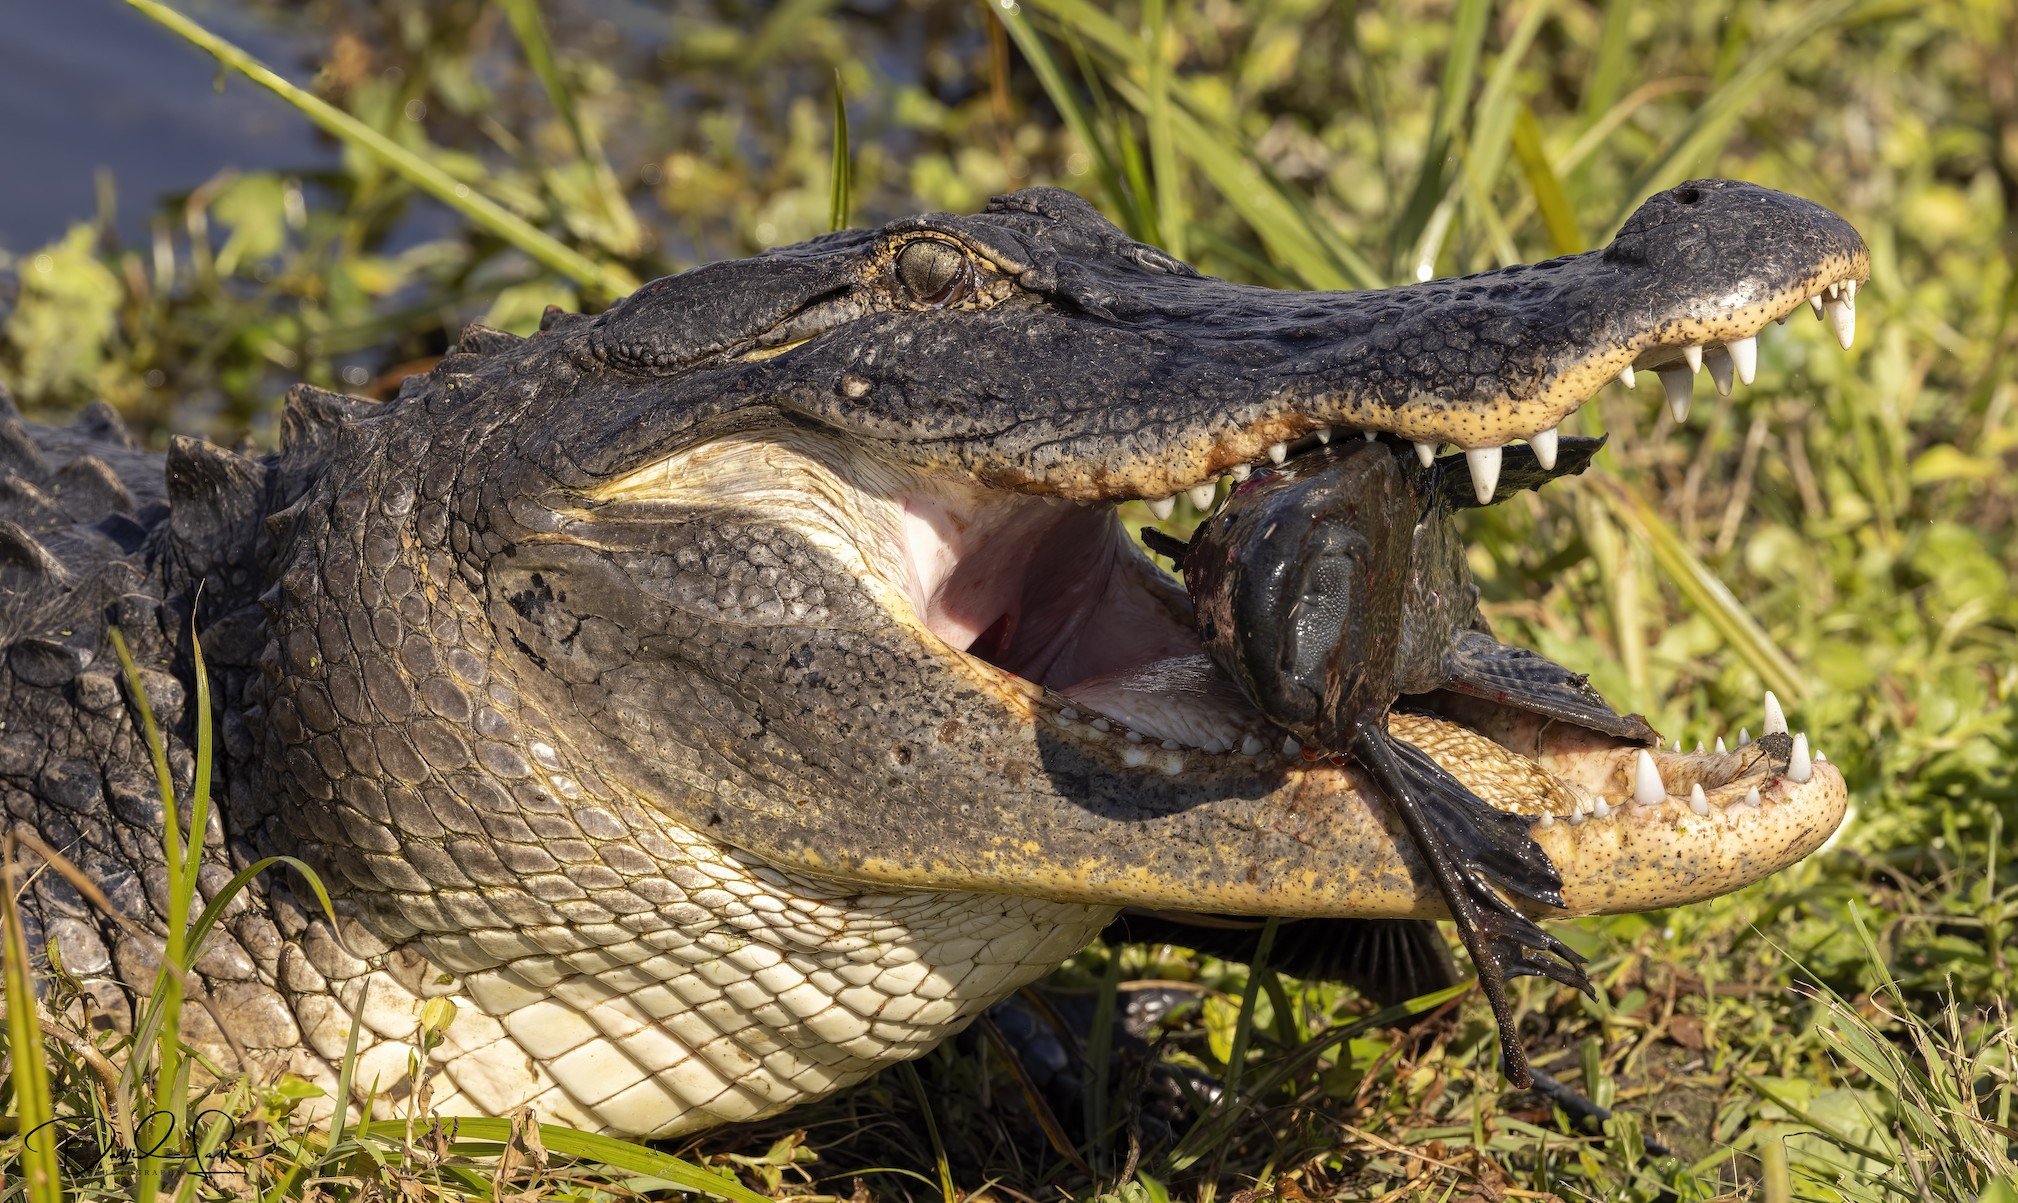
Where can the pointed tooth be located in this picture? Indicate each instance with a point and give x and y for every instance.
(1680, 387)
(1721, 749)
(1240, 473)
(1544, 443)
(1601, 809)
(1799, 766)
(1102, 725)
(1368, 435)
(1171, 745)
(1290, 747)
(1134, 737)
(1648, 788)
(1697, 802)
(1277, 452)
(1720, 370)
(1849, 292)
(1744, 736)
(1324, 436)
(1752, 796)
(1842, 319)
(1815, 303)
(1776, 718)
(1426, 452)
(1163, 508)
(1628, 377)
(1251, 746)
(1545, 819)
(1693, 356)
(1202, 495)
(1069, 715)
(1484, 462)
(1745, 356)
(1699, 747)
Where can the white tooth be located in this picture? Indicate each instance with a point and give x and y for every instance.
(1171, 745)
(1278, 452)
(1069, 715)
(1216, 746)
(1699, 747)
(1546, 820)
(1202, 495)
(1648, 788)
(1134, 737)
(1544, 443)
(1744, 736)
(1721, 749)
(1776, 718)
(1819, 758)
(1815, 303)
(1290, 747)
(1102, 725)
(1163, 508)
(1829, 293)
(1576, 817)
(1061, 720)
(1745, 355)
(1752, 796)
(1629, 378)
(1368, 435)
(1251, 746)
(1843, 319)
(1426, 452)
(1601, 809)
(1799, 767)
(1697, 802)
(1680, 387)
(1693, 356)
(1849, 292)
(1134, 758)
(1720, 370)
(1324, 436)
(1240, 473)
(1484, 463)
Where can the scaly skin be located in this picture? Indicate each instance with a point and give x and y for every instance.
(726, 696)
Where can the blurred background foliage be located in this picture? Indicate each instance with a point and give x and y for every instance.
(1842, 532)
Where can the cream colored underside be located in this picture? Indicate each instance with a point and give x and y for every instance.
(764, 990)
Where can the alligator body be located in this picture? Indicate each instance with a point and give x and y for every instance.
(728, 695)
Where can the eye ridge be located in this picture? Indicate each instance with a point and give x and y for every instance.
(934, 271)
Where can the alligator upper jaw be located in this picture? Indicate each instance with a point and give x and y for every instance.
(1226, 377)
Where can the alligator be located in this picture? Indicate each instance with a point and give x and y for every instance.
(725, 696)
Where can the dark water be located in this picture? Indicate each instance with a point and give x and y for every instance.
(91, 84)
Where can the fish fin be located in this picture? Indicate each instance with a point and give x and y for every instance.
(1483, 667)
(1519, 470)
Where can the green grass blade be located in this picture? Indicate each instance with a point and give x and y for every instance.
(28, 1071)
(199, 794)
(1720, 110)
(471, 1135)
(1545, 186)
(837, 204)
(1700, 587)
(1038, 54)
(480, 210)
(1168, 177)
(627, 235)
(1460, 72)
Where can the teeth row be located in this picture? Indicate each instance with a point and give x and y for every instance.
(1137, 753)
(1649, 789)
(1205, 494)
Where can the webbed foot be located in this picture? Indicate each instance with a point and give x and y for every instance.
(1478, 856)
(1479, 665)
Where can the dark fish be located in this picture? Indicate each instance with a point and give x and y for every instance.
(1333, 587)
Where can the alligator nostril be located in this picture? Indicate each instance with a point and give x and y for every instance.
(1688, 196)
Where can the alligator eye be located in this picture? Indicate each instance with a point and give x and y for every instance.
(934, 272)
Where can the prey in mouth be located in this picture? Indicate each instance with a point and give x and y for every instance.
(1332, 588)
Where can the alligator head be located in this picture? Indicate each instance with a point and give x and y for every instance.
(800, 577)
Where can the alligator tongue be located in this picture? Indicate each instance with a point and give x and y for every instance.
(1331, 585)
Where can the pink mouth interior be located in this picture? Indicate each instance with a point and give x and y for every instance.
(1056, 594)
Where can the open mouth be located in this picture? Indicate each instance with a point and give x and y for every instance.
(1052, 594)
